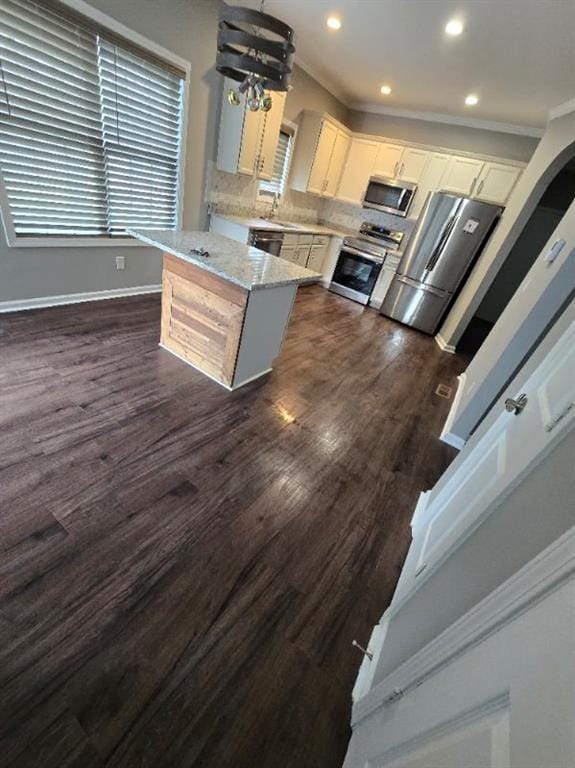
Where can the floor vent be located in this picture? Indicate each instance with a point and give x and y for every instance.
(444, 391)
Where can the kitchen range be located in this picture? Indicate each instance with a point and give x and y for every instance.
(361, 259)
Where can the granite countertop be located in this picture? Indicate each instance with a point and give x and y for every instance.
(240, 264)
(295, 227)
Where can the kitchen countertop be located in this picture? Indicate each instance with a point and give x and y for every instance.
(241, 264)
(295, 227)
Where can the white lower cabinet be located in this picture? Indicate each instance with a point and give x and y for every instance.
(317, 256)
(302, 253)
(288, 252)
(382, 286)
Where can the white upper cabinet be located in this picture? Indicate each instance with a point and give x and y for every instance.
(248, 140)
(357, 170)
(270, 135)
(321, 158)
(462, 175)
(496, 182)
(388, 160)
(336, 163)
(430, 181)
(412, 164)
(320, 150)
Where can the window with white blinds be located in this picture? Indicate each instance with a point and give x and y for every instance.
(276, 185)
(90, 132)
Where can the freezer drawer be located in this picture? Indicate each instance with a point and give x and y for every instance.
(415, 306)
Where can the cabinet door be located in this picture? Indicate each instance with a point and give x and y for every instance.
(302, 255)
(288, 252)
(271, 125)
(462, 174)
(251, 141)
(357, 170)
(413, 164)
(496, 182)
(431, 181)
(322, 157)
(388, 160)
(336, 163)
(317, 257)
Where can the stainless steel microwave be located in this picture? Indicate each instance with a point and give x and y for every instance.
(389, 195)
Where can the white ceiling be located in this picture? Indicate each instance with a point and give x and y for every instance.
(517, 55)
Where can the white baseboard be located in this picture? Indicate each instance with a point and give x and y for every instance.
(376, 303)
(443, 345)
(42, 302)
(447, 436)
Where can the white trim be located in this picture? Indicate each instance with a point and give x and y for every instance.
(443, 345)
(540, 576)
(447, 436)
(440, 117)
(12, 240)
(369, 666)
(325, 82)
(562, 109)
(41, 302)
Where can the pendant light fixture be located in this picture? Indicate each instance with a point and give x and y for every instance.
(256, 50)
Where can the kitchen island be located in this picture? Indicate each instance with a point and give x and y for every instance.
(225, 305)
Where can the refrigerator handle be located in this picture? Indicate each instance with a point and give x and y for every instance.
(444, 237)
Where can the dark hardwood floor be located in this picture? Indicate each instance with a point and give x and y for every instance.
(183, 569)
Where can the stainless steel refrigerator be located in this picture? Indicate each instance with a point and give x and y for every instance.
(446, 241)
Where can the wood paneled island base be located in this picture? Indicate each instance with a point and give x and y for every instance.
(225, 305)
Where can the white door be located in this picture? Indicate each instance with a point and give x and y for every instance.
(251, 141)
(358, 168)
(322, 157)
(494, 691)
(270, 135)
(496, 182)
(412, 165)
(487, 470)
(461, 175)
(288, 252)
(431, 181)
(388, 160)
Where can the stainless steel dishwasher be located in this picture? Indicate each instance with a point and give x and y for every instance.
(267, 240)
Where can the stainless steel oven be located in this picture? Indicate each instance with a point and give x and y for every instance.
(355, 274)
(360, 261)
(389, 195)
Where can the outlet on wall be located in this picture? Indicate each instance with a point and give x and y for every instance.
(120, 262)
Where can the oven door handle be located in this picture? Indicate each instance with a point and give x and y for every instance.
(355, 252)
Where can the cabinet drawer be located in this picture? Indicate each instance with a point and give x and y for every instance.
(305, 239)
(290, 240)
(321, 239)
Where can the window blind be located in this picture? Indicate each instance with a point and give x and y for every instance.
(281, 163)
(89, 132)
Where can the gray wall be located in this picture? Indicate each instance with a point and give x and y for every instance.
(307, 93)
(188, 28)
(455, 137)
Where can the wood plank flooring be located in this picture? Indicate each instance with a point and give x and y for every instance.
(183, 569)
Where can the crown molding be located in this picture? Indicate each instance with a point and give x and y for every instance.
(440, 117)
(562, 109)
(325, 82)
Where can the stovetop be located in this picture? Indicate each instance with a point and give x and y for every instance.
(375, 240)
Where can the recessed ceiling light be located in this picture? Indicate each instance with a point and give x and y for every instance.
(471, 100)
(333, 22)
(386, 90)
(454, 27)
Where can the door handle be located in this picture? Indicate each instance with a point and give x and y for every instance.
(473, 186)
(401, 169)
(516, 406)
(395, 167)
(480, 187)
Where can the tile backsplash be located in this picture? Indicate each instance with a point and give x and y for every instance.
(237, 195)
